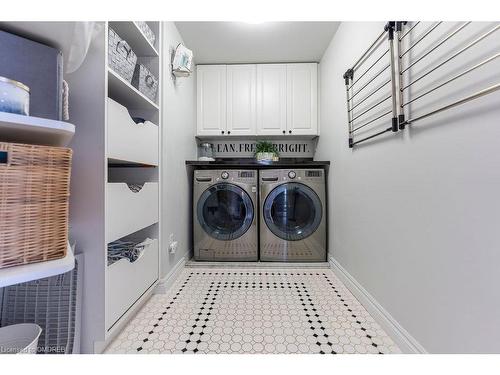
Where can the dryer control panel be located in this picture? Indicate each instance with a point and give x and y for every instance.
(281, 175)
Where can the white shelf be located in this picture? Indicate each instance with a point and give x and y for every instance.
(127, 281)
(126, 94)
(128, 141)
(35, 130)
(128, 212)
(35, 271)
(130, 32)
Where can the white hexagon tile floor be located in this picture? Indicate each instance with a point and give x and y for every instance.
(230, 310)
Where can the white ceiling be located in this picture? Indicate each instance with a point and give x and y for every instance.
(239, 42)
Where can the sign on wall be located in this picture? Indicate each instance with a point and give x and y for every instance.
(246, 148)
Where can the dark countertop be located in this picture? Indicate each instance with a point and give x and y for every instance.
(251, 163)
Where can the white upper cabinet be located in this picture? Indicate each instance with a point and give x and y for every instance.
(302, 99)
(241, 99)
(211, 100)
(257, 99)
(271, 99)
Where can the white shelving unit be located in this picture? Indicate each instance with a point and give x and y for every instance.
(129, 212)
(127, 95)
(35, 271)
(111, 152)
(35, 130)
(123, 132)
(134, 36)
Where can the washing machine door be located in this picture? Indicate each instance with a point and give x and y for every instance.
(292, 211)
(225, 211)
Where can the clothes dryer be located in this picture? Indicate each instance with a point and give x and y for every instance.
(293, 215)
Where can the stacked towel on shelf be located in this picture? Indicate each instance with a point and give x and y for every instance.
(135, 187)
(124, 249)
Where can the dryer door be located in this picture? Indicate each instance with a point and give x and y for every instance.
(292, 211)
(225, 211)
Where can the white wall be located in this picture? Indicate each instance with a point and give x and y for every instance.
(88, 183)
(415, 216)
(179, 145)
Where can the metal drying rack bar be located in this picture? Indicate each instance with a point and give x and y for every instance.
(478, 94)
(350, 81)
(469, 98)
(398, 86)
(445, 39)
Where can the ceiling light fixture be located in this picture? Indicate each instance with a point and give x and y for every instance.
(254, 22)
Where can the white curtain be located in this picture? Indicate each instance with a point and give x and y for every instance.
(75, 44)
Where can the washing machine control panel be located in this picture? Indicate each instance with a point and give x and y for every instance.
(292, 175)
(224, 175)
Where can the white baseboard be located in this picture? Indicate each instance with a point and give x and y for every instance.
(166, 283)
(401, 337)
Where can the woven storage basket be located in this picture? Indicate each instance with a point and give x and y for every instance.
(145, 81)
(34, 198)
(121, 57)
(146, 30)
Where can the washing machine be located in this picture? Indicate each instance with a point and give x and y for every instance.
(292, 215)
(225, 215)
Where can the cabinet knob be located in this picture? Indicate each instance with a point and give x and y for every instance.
(222, 131)
(229, 132)
(290, 131)
(284, 131)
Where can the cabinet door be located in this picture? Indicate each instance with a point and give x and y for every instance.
(241, 90)
(271, 99)
(302, 99)
(211, 100)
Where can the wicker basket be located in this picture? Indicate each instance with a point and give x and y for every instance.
(34, 198)
(121, 57)
(145, 81)
(146, 30)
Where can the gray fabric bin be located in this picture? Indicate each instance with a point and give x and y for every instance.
(121, 57)
(37, 66)
(145, 81)
(146, 30)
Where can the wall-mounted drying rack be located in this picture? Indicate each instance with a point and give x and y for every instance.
(397, 60)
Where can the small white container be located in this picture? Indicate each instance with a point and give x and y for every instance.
(20, 338)
(14, 97)
(206, 151)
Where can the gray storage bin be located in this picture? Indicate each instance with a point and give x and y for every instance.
(39, 67)
(146, 30)
(145, 81)
(122, 58)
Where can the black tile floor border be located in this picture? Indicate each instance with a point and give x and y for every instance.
(349, 310)
(310, 312)
(151, 331)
